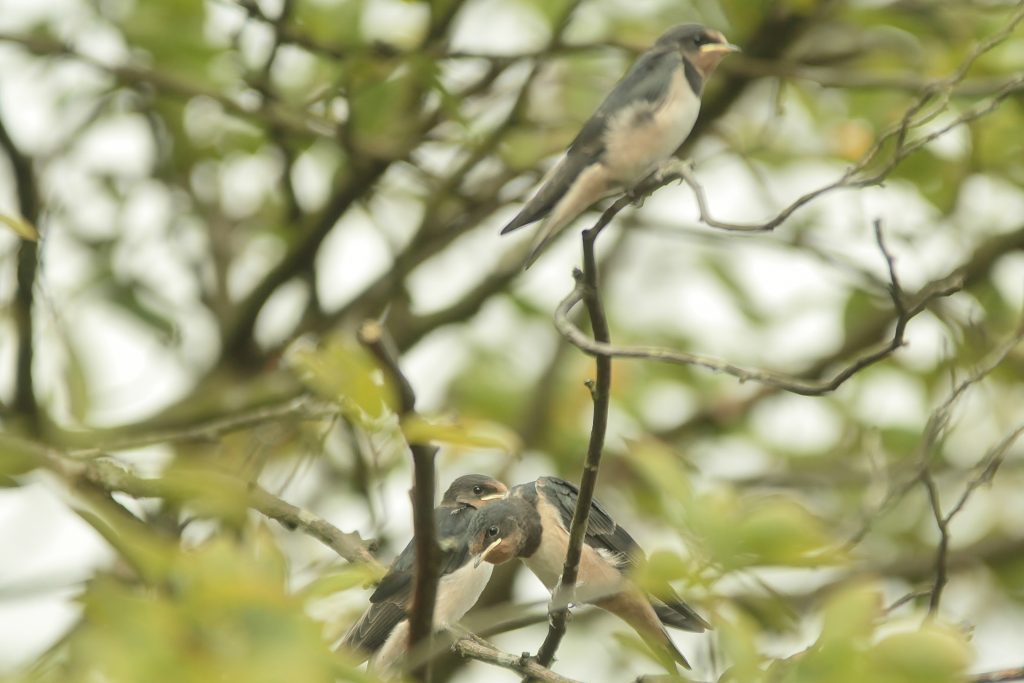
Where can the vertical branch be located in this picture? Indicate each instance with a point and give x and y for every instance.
(600, 392)
(28, 204)
(428, 554)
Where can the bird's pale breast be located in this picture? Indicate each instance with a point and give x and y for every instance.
(641, 137)
(549, 558)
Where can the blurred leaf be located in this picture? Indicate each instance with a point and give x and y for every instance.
(332, 21)
(384, 101)
(348, 577)
(207, 490)
(184, 50)
(743, 532)
(223, 615)
(460, 432)
(147, 553)
(17, 456)
(21, 227)
(667, 483)
(343, 372)
(850, 615)
(738, 638)
(933, 654)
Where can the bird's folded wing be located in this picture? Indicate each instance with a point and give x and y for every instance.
(645, 85)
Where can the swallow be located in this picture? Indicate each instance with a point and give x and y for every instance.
(639, 125)
(382, 632)
(532, 523)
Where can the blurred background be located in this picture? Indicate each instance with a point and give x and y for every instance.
(201, 201)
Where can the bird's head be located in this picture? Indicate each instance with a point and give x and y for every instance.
(473, 490)
(704, 47)
(500, 532)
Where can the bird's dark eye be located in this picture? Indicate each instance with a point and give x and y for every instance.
(492, 531)
(478, 489)
(701, 39)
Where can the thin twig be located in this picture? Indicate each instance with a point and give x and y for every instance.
(300, 408)
(907, 309)
(114, 477)
(600, 391)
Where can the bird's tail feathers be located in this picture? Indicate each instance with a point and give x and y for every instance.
(632, 607)
(678, 614)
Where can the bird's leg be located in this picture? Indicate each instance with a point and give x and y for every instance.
(672, 167)
(458, 632)
(562, 598)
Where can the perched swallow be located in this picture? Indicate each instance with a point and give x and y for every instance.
(382, 632)
(641, 123)
(532, 523)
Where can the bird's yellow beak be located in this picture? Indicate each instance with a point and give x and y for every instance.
(487, 551)
(493, 496)
(719, 47)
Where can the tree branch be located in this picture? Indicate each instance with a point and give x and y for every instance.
(113, 477)
(1000, 676)
(906, 310)
(600, 391)
(24, 404)
(477, 648)
(428, 553)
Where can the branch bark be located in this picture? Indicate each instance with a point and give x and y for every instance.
(600, 391)
(113, 477)
(428, 553)
(477, 648)
(24, 403)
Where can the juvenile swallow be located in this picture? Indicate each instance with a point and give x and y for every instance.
(382, 632)
(532, 523)
(640, 124)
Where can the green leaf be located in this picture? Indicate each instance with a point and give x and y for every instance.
(460, 432)
(738, 636)
(850, 615)
(21, 227)
(222, 615)
(341, 371)
(933, 654)
(771, 531)
(348, 577)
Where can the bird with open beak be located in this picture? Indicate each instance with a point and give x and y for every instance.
(639, 125)
(382, 632)
(532, 523)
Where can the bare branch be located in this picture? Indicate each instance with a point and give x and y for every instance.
(26, 186)
(600, 390)
(428, 553)
(301, 408)
(477, 648)
(114, 477)
(915, 305)
(1000, 676)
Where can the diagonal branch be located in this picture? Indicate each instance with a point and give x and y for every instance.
(112, 477)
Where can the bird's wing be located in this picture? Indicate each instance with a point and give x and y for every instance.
(390, 601)
(644, 85)
(612, 541)
(617, 546)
